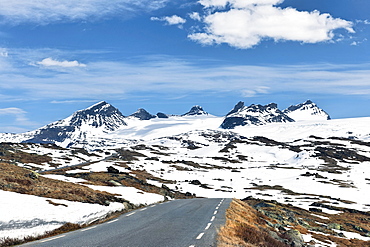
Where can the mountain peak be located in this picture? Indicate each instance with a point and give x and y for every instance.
(142, 114)
(101, 104)
(306, 111)
(237, 107)
(196, 111)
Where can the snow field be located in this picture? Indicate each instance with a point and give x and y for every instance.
(33, 215)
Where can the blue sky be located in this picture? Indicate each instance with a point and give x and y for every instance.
(59, 56)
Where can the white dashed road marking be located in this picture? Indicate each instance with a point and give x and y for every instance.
(200, 235)
(208, 226)
(88, 228)
(112, 221)
(52, 239)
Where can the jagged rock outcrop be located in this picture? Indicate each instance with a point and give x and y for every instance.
(196, 111)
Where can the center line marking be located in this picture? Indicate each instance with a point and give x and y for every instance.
(208, 226)
(215, 212)
(217, 207)
(130, 214)
(52, 239)
(213, 218)
(200, 235)
(143, 209)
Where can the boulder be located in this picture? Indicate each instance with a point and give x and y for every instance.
(111, 169)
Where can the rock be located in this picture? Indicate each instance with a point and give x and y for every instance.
(33, 175)
(165, 187)
(111, 169)
(114, 183)
(295, 238)
(128, 205)
(318, 210)
(303, 223)
(195, 182)
(264, 205)
(188, 194)
(274, 235)
(334, 226)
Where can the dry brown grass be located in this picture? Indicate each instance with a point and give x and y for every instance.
(10, 152)
(17, 179)
(138, 181)
(245, 227)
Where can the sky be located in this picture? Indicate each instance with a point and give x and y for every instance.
(60, 56)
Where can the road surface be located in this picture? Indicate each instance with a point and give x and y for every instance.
(178, 223)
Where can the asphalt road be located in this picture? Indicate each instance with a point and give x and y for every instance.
(178, 223)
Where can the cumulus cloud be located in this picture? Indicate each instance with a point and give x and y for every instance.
(41, 11)
(49, 62)
(170, 20)
(245, 23)
(195, 16)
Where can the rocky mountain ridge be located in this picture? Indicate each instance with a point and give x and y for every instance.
(242, 115)
(95, 122)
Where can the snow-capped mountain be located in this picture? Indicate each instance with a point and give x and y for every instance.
(104, 125)
(196, 111)
(80, 126)
(254, 115)
(306, 111)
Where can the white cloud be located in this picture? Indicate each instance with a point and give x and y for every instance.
(172, 77)
(3, 52)
(170, 20)
(49, 62)
(72, 101)
(245, 23)
(46, 11)
(19, 114)
(237, 3)
(195, 16)
(248, 93)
